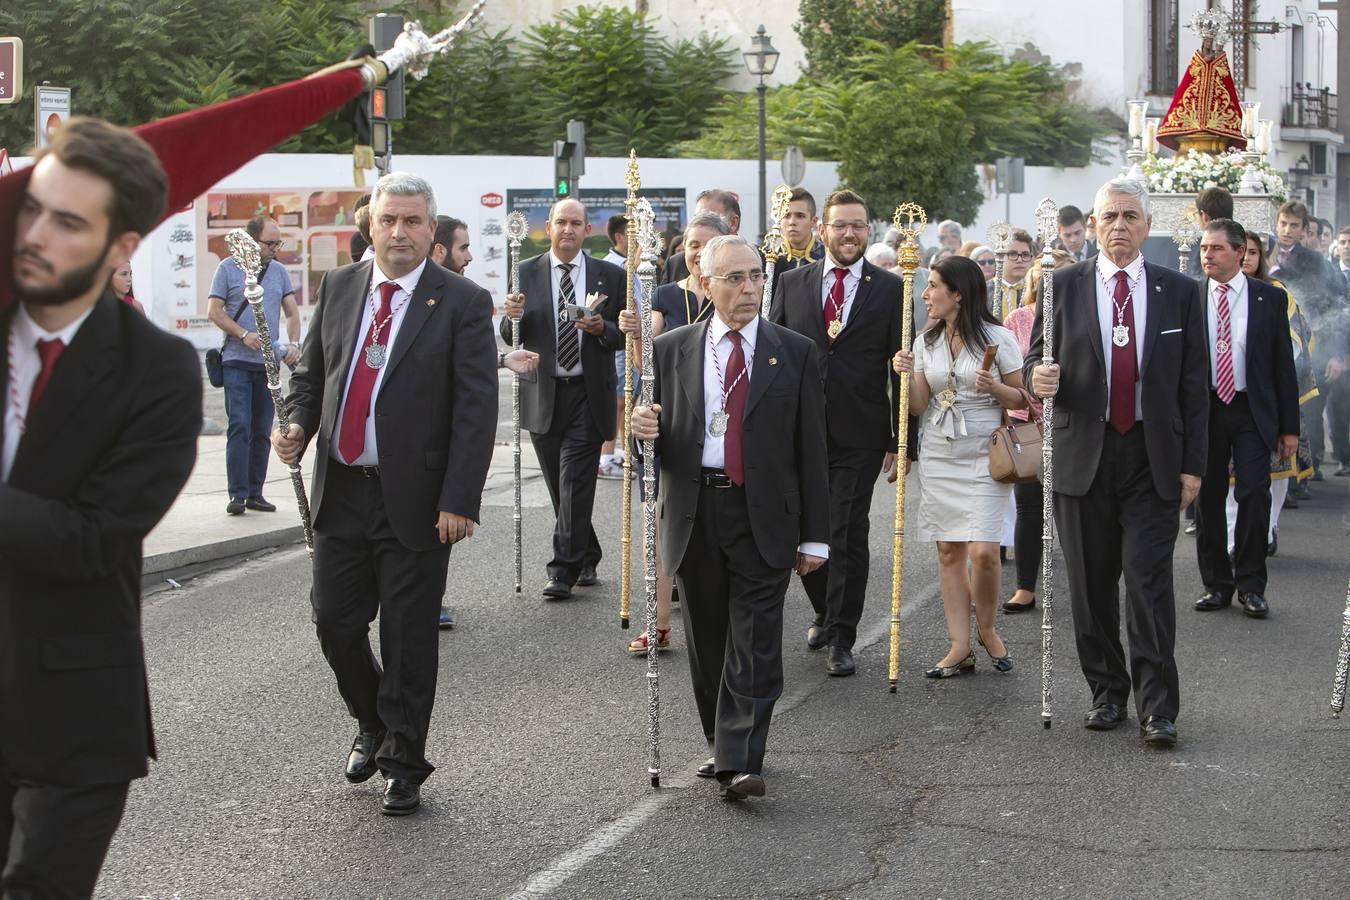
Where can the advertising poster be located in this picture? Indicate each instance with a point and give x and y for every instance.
(668, 203)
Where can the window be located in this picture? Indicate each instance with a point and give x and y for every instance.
(1319, 158)
(1162, 47)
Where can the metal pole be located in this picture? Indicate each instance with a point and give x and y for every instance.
(650, 242)
(763, 179)
(1047, 219)
(633, 181)
(516, 229)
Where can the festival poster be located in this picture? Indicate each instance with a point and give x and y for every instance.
(601, 203)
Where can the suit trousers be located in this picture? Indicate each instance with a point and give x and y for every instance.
(53, 838)
(1233, 435)
(569, 455)
(732, 604)
(838, 588)
(1338, 417)
(1121, 525)
(360, 569)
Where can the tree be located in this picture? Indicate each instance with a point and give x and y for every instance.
(833, 32)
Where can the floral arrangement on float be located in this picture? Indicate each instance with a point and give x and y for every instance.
(1194, 171)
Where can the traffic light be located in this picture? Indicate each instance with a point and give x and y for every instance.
(563, 175)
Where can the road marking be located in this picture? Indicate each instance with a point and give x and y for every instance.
(555, 874)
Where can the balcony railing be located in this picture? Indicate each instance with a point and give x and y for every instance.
(1309, 107)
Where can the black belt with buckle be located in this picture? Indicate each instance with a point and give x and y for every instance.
(366, 471)
(715, 478)
(570, 379)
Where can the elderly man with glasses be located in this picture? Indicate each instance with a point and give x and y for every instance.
(248, 403)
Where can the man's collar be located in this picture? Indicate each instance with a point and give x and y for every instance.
(719, 329)
(790, 253)
(1235, 284)
(554, 262)
(29, 332)
(855, 270)
(1133, 269)
(407, 282)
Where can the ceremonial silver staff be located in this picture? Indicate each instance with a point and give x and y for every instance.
(774, 244)
(1184, 233)
(1047, 222)
(1342, 661)
(650, 243)
(516, 229)
(248, 256)
(1000, 236)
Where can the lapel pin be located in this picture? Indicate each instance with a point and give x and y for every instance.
(773, 360)
(867, 278)
(431, 301)
(1157, 288)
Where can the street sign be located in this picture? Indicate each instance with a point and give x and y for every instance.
(1010, 175)
(53, 109)
(11, 70)
(794, 165)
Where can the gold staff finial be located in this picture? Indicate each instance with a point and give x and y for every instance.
(910, 220)
(632, 179)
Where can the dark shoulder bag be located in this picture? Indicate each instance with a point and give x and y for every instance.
(215, 366)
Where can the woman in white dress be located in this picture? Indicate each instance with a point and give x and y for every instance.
(960, 505)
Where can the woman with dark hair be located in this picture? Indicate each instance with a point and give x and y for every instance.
(960, 505)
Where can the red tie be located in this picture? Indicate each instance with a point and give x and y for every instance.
(834, 309)
(352, 434)
(1224, 385)
(48, 351)
(1124, 366)
(732, 461)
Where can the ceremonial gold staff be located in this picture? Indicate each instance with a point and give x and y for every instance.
(633, 181)
(248, 256)
(774, 244)
(516, 229)
(909, 221)
(1000, 236)
(1047, 221)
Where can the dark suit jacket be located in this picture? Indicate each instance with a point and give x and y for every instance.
(1272, 385)
(105, 453)
(537, 333)
(861, 390)
(787, 483)
(1322, 294)
(1174, 378)
(436, 412)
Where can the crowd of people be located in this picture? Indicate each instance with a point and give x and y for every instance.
(770, 434)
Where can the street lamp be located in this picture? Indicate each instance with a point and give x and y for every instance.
(1300, 177)
(760, 60)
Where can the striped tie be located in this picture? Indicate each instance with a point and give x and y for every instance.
(1223, 377)
(569, 344)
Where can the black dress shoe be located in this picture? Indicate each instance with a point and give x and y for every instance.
(1158, 732)
(401, 797)
(260, 504)
(708, 769)
(587, 576)
(447, 621)
(235, 507)
(557, 590)
(816, 636)
(841, 662)
(1274, 546)
(742, 785)
(361, 760)
(1212, 600)
(1104, 717)
(1254, 605)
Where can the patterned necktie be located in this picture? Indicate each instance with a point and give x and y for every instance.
(834, 309)
(47, 351)
(352, 433)
(1223, 365)
(1124, 366)
(733, 463)
(569, 344)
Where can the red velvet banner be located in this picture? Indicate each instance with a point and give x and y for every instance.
(200, 147)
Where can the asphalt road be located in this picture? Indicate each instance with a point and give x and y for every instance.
(946, 789)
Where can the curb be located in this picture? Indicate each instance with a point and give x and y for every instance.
(174, 560)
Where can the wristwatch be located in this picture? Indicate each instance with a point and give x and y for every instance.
(501, 360)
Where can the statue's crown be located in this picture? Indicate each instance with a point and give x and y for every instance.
(1212, 23)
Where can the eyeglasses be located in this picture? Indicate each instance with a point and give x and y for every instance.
(271, 245)
(736, 279)
(855, 227)
(985, 263)
(1020, 255)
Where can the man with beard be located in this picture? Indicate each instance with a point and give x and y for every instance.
(851, 309)
(99, 433)
(450, 246)
(248, 402)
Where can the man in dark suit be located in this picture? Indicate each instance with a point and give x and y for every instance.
(850, 309)
(569, 408)
(397, 381)
(738, 417)
(1130, 418)
(1253, 411)
(99, 433)
(727, 205)
(1073, 233)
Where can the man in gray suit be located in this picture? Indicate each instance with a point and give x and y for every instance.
(1130, 422)
(739, 420)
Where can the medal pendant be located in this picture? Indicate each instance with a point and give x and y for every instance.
(946, 398)
(375, 356)
(719, 423)
(1221, 345)
(836, 326)
(1120, 335)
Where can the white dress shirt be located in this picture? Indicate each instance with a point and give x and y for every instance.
(24, 367)
(1106, 318)
(578, 275)
(714, 446)
(851, 281)
(398, 304)
(1237, 317)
